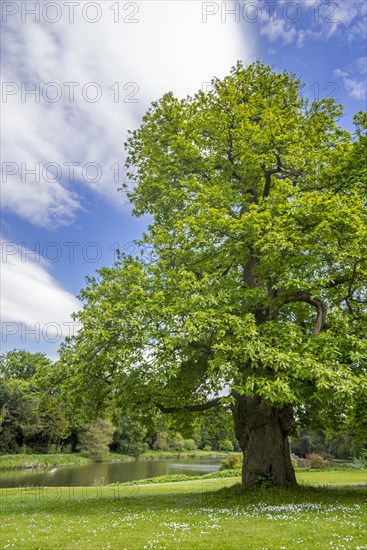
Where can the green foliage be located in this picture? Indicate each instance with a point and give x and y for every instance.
(178, 442)
(233, 462)
(129, 436)
(161, 443)
(215, 428)
(30, 419)
(309, 441)
(20, 420)
(21, 364)
(190, 445)
(362, 459)
(94, 439)
(264, 481)
(225, 445)
(252, 274)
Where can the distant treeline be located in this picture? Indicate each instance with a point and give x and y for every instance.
(34, 420)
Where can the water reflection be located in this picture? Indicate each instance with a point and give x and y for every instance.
(103, 473)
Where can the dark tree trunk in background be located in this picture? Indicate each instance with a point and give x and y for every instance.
(262, 432)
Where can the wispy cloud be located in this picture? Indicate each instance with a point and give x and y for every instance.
(279, 30)
(34, 306)
(133, 55)
(354, 79)
(300, 22)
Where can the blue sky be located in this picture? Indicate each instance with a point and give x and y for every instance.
(77, 76)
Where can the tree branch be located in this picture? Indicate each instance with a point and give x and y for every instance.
(320, 308)
(268, 174)
(191, 408)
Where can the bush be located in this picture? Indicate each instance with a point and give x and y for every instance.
(316, 462)
(226, 445)
(53, 449)
(161, 443)
(178, 443)
(361, 461)
(232, 462)
(190, 445)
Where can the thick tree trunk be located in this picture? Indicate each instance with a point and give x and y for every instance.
(262, 432)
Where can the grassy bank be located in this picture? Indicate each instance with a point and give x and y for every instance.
(309, 477)
(200, 514)
(44, 460)
(184, 454)
(39, 460)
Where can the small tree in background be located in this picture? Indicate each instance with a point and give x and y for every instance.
(161, 443)
(129, 437)
(178, 443)
(226, 445)
(95, 438)
(190, 445)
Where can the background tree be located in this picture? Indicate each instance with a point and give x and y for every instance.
(129, 436)
(161, 441)
(21, 364)
(95, 438)
(19, 419)
(30, 420)
(254, 289)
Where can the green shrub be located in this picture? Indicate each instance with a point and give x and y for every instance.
(161, 443)
(53, 449)
(264, 481)
(361, 461)
(316, 462)
(66, 449)
(24, 450)
(190, 445)
(178, 443)
(232, 462)
(226, 445)
(294, 461)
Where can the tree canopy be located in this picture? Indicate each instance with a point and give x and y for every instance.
(250, 287)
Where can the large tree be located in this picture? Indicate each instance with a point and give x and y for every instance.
(250, 286)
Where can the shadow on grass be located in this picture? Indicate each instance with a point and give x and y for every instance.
(212, 494)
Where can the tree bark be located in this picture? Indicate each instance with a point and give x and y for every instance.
(262, 432)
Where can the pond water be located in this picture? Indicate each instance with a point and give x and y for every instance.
(108, 472)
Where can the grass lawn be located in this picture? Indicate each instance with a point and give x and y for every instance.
(333, 477)
(196, 514)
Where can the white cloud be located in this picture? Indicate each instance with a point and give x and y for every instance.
(300, 22)
(169, 48)
(355, 86)
(347, 17)
(361, 65)
(34, 307)
(279, 29)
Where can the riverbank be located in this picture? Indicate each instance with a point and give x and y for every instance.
(200, 514)
(25, 461)
(39, 461)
